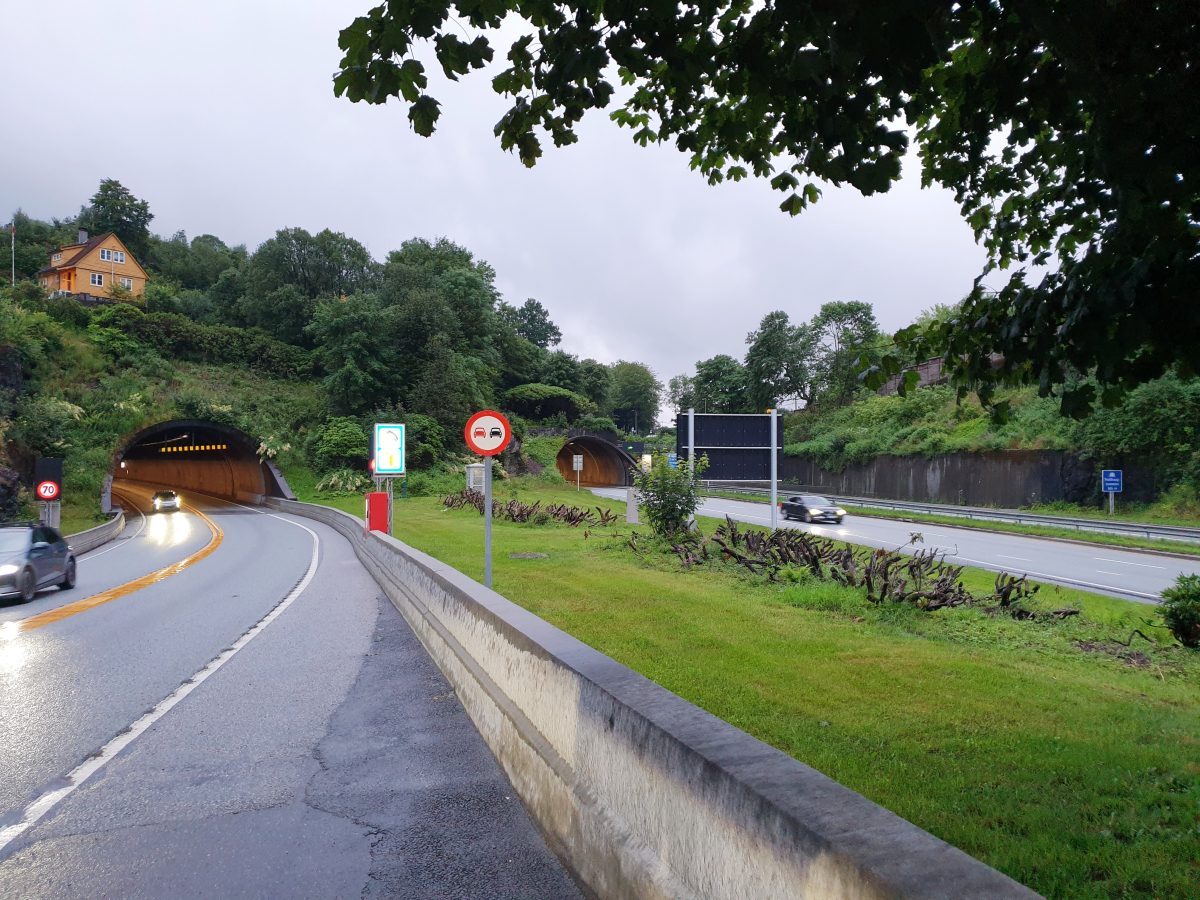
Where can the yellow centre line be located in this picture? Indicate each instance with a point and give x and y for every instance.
(70, 609)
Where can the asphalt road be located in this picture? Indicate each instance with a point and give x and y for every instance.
(1105, 570)
(320, 755)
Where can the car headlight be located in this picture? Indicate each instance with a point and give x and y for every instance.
(8, 569)
(840, 512)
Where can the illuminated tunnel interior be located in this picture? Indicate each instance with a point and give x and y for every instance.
(188, 455)
(604, 464)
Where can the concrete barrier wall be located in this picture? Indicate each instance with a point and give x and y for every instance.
(83, 541)
(642, 794)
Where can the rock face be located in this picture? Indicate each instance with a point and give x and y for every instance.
(11, 379)
(10, 484)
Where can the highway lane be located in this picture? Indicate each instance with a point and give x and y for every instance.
(327, 758)
(1127, 574)
(149, 542)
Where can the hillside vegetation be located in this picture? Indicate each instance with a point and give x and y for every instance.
(302, 343)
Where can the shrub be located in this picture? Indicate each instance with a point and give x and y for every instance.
(545, 401)
(1181, 610)
(345, 481)
(596, 423)
(339, 444)
(426, 441)
(670, 497)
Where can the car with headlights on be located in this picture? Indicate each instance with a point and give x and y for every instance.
(32, 557)
(167, 500)
(811, 508)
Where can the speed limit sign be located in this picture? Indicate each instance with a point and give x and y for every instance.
(47, 478)
(48, 490)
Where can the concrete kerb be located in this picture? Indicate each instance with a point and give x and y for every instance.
(83, 541)
(640, 793)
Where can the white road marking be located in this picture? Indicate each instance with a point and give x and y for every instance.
(1021, 558)
(1121, 562)
(1117, 574)
(117, 544)
(81, 773)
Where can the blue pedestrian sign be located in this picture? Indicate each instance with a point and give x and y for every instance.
(1110, 481)
(673, 460)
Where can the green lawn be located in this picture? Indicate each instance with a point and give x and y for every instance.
(1077, 773)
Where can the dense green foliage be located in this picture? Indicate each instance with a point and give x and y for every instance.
(669, 496)
(1181, 610)
(422, 338)
(1065, 130)
(926, 422)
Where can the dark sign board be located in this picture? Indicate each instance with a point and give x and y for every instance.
(738, 447)
(634, 448)
(47, 479)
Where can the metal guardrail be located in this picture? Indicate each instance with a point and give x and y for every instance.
(1110, 526)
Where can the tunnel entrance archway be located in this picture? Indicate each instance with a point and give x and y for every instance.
(604, 463)
(191, 455)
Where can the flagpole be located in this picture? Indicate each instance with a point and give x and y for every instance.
(13, 249)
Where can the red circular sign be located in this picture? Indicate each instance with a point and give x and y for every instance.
(488, 433)
(48, 490)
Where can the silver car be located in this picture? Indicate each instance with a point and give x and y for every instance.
(33, 557)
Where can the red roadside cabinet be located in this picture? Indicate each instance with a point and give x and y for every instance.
(377, 511)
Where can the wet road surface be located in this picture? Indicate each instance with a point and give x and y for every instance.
(326, 758)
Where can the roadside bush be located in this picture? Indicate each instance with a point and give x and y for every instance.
(426, 441)
(344, 481)
(45, 426)
(670, 497)
(339, 444)
(196, 406)
(1181, 610)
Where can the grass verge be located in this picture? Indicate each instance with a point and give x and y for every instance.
(1044, 748)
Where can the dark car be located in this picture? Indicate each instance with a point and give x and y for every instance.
(33, 557)
(811, 508)
(166, 500)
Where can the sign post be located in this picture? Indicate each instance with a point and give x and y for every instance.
(487, 434)
(774, 469)
(387, 460)
(48, 476)
(1111, 482)
(577, 465)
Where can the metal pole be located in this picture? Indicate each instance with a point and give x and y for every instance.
(487, 522)
(1112, 502)
(774, 474)
(692, 442)
(389, 489)
(577, 481)
(13, 252)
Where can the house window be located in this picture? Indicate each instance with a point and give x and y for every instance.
(97, 279)
(127, 283)
(106, 255)
(120, 254)
(57, 257)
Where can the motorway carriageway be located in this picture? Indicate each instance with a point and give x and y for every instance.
(1102, 569)
(244, 714)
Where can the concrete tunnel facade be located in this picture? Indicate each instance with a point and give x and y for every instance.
(604, 463)
(190, 455)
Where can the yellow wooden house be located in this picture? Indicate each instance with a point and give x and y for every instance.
(93, 266)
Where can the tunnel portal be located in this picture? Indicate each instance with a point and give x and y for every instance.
(205, 457)
(604, 464)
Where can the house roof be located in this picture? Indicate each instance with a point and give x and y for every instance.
(79, 251)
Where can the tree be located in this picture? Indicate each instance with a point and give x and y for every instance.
(195, 266)
(1065, 129)
(596, 383)
(721, 385)
(634, 394)
(544, 401)
(780, 361)
(115, 209)
(532, 322)
(563, 369)
(846, 331)
(359, 357)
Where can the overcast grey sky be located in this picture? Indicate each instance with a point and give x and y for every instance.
(221, 114)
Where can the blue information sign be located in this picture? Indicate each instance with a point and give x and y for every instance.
(1110, 481)
(673, 460)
